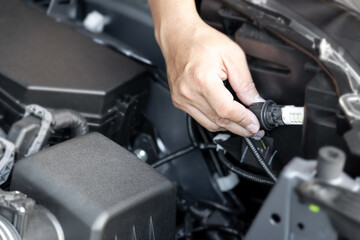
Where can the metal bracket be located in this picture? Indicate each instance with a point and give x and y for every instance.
(46, 120)
(27, 217)
(283, 216)
(19, 206)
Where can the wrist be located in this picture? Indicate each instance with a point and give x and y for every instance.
(179, 20)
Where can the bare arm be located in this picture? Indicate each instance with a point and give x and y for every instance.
(198, 60)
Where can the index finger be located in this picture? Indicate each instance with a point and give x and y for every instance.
(224, 105)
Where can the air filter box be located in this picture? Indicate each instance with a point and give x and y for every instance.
(99, 190)
(51, 64)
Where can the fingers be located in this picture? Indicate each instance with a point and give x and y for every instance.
(227, 112)
(203, 113)
(213, 106)
(203, 61)
(240, 78)
(203, 119)
(220, 124)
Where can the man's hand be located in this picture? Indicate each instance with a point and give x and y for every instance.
(198, 60)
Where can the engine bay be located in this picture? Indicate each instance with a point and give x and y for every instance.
(91, 146)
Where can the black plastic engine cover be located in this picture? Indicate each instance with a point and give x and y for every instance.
(50, 64)
(99, 190)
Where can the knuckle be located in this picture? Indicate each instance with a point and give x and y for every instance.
(248, 134)
(222, 122)
(183, 90)
(225, 111)
(248, 85)
(198, 77)
(175, 101)
(213, 128)
(242, 118)
(242, 54)
(238, 52)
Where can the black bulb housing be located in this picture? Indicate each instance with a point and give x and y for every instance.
(268, 113)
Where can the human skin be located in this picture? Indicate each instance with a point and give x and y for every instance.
(198, 60)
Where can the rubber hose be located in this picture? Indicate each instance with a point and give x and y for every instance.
(65, 118)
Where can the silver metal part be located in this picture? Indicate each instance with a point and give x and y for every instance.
(6, 159)
(141, 154)
(352, 4)
(330, 55)
(28, 219)
(43, 225)
(46, 120)
(331, 163)
(350, 103)
(19, 206)
(284, 217)
(7, 230)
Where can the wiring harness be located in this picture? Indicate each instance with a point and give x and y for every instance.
(221, 156)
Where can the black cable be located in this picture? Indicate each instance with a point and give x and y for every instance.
(230, 166)
(241, 172)
(214, 159)
(260, 160)
(217, 206)
(211, 151)
(232, 195)
(193, 139)
(237, 202)
(174, 155)
(191, 131)
(223, 229)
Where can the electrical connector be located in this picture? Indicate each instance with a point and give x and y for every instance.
(272, 115)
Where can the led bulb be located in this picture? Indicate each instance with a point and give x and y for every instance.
(292, 115)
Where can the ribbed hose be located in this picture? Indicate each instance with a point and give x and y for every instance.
(242, 173)
(260, 160)
(65, 118)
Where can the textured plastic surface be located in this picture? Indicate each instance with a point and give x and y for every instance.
(99, 190)
(50, 64)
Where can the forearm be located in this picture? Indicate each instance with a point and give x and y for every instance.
(198, 60)
(172, 14)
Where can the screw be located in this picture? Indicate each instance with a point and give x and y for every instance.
(141, 154)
